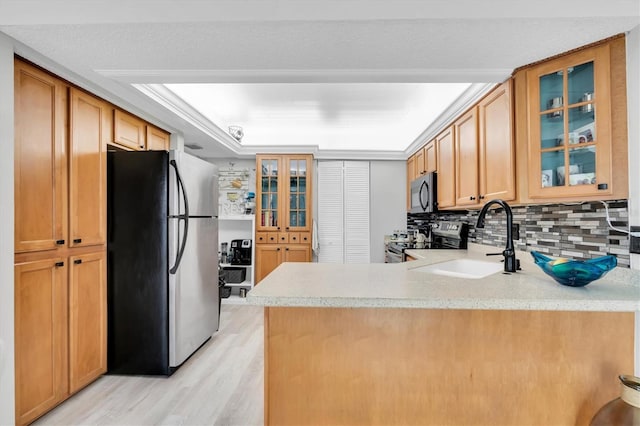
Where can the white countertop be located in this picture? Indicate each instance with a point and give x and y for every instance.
(395, 285)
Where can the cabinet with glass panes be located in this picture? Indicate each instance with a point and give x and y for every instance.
(283, 209)
(570, 143)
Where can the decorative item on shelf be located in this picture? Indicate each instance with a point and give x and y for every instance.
(624, 410)
(588, 108)
(547, 178)
(552, 104)
(575, 273)
(573, 170)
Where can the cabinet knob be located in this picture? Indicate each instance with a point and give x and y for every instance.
(472, 198)
(278, 228)
(482, 197)
(287, 249)
(286, 229)
(293, 238)
(77, 240)
(278, 249)
(59, 242)
(77, 261)
(59, 264)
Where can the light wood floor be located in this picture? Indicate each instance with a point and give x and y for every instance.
(221, 384)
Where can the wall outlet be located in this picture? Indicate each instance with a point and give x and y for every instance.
(634, 242)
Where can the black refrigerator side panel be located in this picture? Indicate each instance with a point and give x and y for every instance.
(137, 280)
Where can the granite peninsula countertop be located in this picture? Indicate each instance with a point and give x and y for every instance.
(396, 285)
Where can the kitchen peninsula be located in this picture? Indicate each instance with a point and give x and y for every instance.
(385, 344)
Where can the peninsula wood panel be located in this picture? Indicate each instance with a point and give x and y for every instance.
(40, 160)
(326, 366)
(41, 337)
(87, 319)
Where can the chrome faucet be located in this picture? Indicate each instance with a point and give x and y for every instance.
(511, 264)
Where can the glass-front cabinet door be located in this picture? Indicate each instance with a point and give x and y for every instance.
(269, 176)
(298, 192)
(569, 126)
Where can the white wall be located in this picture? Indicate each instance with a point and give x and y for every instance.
(388, 203)
(7, 410)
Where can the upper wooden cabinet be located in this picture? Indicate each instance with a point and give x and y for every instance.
(40, 160)
(485, 150)
(430, 157)
(411, 172)
(497, 148)
(466, 158)
(157, 139)
(572, 104)
(88, 134)
(446, 159)
(420, 163)
(283, 193)
(129, 131)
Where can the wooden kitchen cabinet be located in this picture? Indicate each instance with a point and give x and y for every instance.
(485, 150)
(87, 319)
(576, 114)
(430, 157)
(466, 158)
(445, 148)
(129, 131)
(88, 134)
(497, 172)
(40, 160)
(40, 337)
(411, 172)
(157, 139)
(270, 256)
(283, 210)
(60, 201)
(420, 163)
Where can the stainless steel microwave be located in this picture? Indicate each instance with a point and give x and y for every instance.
(424, 197)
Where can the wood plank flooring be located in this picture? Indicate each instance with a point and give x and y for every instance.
(221, 384)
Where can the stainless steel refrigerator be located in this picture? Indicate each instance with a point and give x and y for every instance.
(162, 276)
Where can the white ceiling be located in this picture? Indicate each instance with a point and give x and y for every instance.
(352, 61)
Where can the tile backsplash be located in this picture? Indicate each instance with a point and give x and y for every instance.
(560, 230)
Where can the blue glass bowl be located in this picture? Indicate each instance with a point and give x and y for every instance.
(575, 273)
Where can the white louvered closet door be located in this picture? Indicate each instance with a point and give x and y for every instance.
(356, 212)
(343, 212)
(330, 212)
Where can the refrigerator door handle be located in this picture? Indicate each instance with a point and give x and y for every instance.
(184, 217)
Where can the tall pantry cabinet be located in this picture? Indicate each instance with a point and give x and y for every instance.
(61, 135)
(283, 211)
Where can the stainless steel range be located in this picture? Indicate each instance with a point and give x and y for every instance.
(444, 235)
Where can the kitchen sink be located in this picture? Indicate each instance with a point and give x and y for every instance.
(463, 268)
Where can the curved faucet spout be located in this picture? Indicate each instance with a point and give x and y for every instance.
(509, 253)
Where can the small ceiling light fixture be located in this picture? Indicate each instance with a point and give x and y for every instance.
(236, 132)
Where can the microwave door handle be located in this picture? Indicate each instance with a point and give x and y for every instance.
(426, 203)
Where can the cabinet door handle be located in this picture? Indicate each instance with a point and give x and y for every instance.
(602, 186)
(77, 261)
(278, 249)
(472, 198)
(59, 264)
(278, 228)
(286, 229)
(77, 240)
(287, 249)
(59, 242)
(293, 238)
(482, 197)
